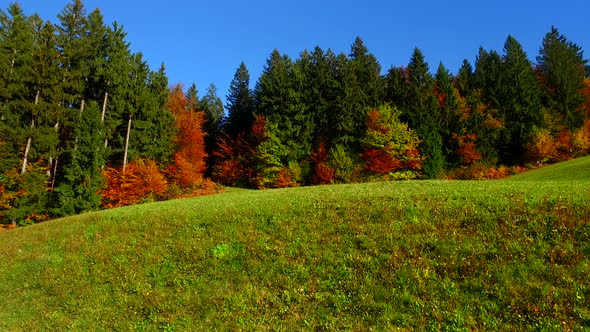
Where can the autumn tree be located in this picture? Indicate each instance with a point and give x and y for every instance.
(189, 158)
(390, 147)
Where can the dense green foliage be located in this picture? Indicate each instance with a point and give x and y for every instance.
(443, 255)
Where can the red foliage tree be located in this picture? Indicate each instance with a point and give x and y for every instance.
(322, 173)
(467, 149)
(234, 156)
(189, 159)
(141, 180)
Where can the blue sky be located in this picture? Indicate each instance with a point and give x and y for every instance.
(205, 41)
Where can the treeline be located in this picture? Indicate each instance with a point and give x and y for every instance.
(87, 124)
(326, 117)
(76, 107)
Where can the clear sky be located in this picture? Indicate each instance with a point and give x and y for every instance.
(205, 41)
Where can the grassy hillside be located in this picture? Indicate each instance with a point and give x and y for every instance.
(577, 169)
(490, 255)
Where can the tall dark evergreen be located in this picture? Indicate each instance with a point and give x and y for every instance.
(488, 77)
(279, 97)
(81, 179)
(562, 65)
(448, 108)
(319, 90)
(368, 73)
(213, 108)
(422, 114)
(240, 103)
(17, 104)
(212, 105)
(192, 96)
(464, 78)
(348, 111)
(520, 104)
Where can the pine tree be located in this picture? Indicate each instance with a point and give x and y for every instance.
(422, 114)
(397, 87)
(278, 96)
(520, 102)
(368, 73)
(347, 112)
(81, 179)
(117, 76)
(562, 66)
(192, 95)
(18, 99)
(213, 108)
(240, 104)
(449, 108)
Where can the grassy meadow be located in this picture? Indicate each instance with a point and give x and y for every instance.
(417, 255)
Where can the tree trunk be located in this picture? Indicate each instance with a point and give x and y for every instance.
(104, 107)
(127, 144)
(30, 139)
(54, 174)
(104, 111)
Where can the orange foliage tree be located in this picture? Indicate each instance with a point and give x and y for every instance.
(235, 156)
(467, 149)
(322, 173)
(141, 180)
(189, 159)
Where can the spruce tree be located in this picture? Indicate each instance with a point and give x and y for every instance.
(347, 112)
(213, 108)
(192, 96)
(562, 65)
(278, 97)
(117, 76)
(520, 102)
(368, 73)
(448, 108)
(81, 179)
(18, 98)
(423, 115)
(240, 104)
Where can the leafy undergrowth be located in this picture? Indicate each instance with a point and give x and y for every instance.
(488, 255)
(576, 169)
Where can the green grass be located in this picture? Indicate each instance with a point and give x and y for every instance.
(577, 169)
(423, 255)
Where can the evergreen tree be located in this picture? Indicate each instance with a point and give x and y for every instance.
(368, 73)
(561, 64)
(397, 87)
(319, 90)
(278, 97)
(117, 76)
(192, 96)
(488, 77)
(347, 112)
(17, 37)
(464, 79)
(422, 114)
(448, 108)
(520, 106)
(81, 179)
(240, 103)
(213, 108)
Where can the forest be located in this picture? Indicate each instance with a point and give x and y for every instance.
(86, 124)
